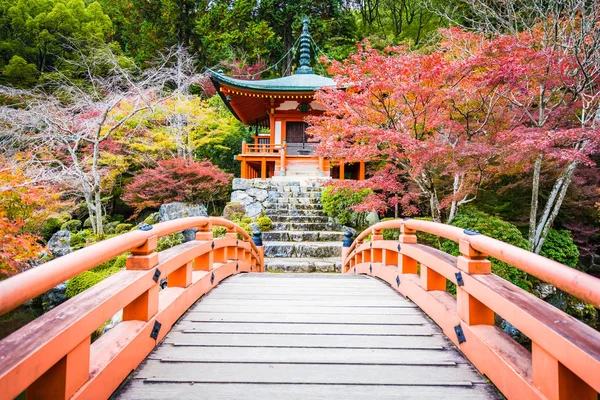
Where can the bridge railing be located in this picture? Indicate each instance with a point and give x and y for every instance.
(53, 357)
(564, 362)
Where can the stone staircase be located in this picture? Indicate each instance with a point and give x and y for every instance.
(303, 238)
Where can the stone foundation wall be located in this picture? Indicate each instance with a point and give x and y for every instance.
(257, 194)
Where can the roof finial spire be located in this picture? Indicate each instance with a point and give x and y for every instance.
(304, 50)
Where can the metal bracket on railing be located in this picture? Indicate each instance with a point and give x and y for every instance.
(460, 335)
(212, 278)
(398, 280)
(155, 330)
(459, 279)
(370, 268)
(471, 232)
(237, 267)
(354, 269)
(156, 275)
(398, 246)
(371, 244)
(212, 245)
(145, 227)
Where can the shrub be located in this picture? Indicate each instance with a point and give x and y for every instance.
(337, 203)
(73, 226)
(166, 242)
(219, 231)
(265, 224)
(470, 218)
(111, 227)
(50, 227)
(88, 222)
(559, 246)
(87, 279)
(177, 180)
(234, 211)
(81, 239)
(123, 228)
(152, 219)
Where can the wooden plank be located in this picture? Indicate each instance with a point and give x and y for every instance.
(310, 302)
(321, 341)
(266, 317)
(276, 309)
(283, 294)
(313, 356)
(138, 390)
(458, 375)
(305, 336)
(329, 329)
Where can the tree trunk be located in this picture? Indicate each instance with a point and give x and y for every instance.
(90, 206)
(535, 189)
(98, 211)
(553, 205)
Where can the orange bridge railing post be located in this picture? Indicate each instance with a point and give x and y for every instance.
(204, 262)
(471, 310)
(146, 305)
(407, 265)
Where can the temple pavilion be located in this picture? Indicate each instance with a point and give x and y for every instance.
(281, 105)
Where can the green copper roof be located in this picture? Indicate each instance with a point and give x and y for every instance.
(293, 83)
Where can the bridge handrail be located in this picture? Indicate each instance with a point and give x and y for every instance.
(54, 357)
(564, 361)
(29, 284)
(579, 284)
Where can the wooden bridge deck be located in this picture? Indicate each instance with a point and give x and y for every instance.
(274, 336)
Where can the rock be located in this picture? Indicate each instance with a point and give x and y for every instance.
(242, 198)
(241, 184)
(253, 210)
(59, 243)
(189, 234)
(54, 297)
(118, 317)
(259, 194)
(544, 290)
(177, 209)
(348, 229)
(513, 332)
(273, 196)
(260, 184)
(372, 218)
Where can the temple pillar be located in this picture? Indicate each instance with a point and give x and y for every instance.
(341, 171)
(361, 171)
(263, 168)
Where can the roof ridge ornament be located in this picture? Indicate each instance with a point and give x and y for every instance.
(305, 50)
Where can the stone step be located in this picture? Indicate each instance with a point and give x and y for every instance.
(299, 236)
(303, 249)
(287, 206)
(299, 218)
(289, 195)
(299, 200)
(311, 213)
(333, 264)
(305, 226)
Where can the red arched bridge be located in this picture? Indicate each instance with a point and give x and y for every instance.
(300, 335)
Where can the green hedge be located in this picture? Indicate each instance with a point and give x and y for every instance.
(470, 218)
(73, 225)
(559, 246)
(336, 204)
(87, 279)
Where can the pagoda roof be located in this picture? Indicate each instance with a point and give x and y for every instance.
(297, 83)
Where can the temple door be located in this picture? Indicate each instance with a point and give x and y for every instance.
(295, 136)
